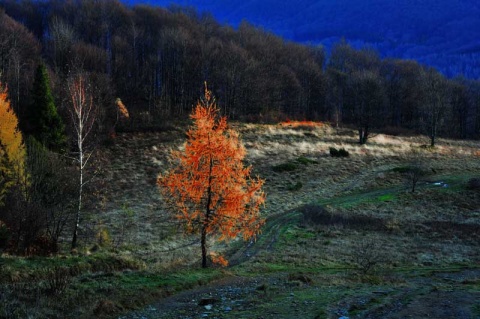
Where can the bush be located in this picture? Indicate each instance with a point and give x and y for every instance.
(295, 187)
(285, 167)
(338, 153)
(57, 280)
(368, 256)
(306, 161)
(402, 169)
(473, 183)
(4, 235)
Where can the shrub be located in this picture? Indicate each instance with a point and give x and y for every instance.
(57, 280)
(368, 256)
(315, 214)
(402, 169)
(300, 277)
(103, 237)
(338, 153)
(295, 187)
(306, 161)
(285, 167)
(473, 183)
(4, 235)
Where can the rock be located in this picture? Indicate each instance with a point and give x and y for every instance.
(207, 301)
(208, 307)
(228, 309)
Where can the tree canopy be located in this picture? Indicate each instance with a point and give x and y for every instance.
(44, 122)
(12, 148)
(209, 187)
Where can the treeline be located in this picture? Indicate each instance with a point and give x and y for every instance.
(156, 61)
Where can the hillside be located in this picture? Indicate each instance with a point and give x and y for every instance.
(344, 236)
(443, 34)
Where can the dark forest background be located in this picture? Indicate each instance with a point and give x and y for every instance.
(156, 60)
(440, 33)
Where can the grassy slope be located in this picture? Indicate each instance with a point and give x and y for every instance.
(409, 237)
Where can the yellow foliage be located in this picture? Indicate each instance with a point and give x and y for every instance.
(12, 148)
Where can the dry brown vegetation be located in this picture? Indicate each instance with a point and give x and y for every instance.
(366, 184)
(343, 236)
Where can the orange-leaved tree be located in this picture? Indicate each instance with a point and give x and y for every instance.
(12, 148)
(210, 188)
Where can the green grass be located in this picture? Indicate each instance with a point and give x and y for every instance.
(294, 233)
(386, 198)
(147, 280)
(306, 161)
(15, 269)
(476, 310)
(357, 198)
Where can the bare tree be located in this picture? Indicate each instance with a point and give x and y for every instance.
(367, 100)
(417, 170)
(435, 105)
(84, 114)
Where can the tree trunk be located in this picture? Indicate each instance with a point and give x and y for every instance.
(77, 217)
(207, 216)
(432, 140)
(204, 247)
(363, 135)
(80, 190)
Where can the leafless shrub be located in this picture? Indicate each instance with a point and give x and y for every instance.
(368, 256)
(318, 215)
(57, 280)
(416, 171)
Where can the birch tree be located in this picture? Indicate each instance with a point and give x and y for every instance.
(83, 112)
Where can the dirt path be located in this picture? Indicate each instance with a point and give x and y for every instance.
(443, 296)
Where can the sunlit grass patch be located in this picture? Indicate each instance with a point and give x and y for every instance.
(302, 124)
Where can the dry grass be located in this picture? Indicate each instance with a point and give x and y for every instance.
(133, 163)
(344, 206)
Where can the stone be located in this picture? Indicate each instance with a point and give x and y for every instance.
(207, 301)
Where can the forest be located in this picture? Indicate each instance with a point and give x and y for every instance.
(439, 33)
(138, 143)
(155, 60)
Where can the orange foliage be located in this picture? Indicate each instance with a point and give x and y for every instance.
(12, 149)
(289, 123)
(210, 188)
(218, 260)
(122, 109)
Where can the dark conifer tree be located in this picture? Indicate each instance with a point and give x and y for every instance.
(43, 121)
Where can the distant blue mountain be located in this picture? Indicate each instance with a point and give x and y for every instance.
(441, 33)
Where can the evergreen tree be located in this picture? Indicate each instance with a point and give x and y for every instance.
(44, 122)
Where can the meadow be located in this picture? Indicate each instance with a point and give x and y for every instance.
(344, 236)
